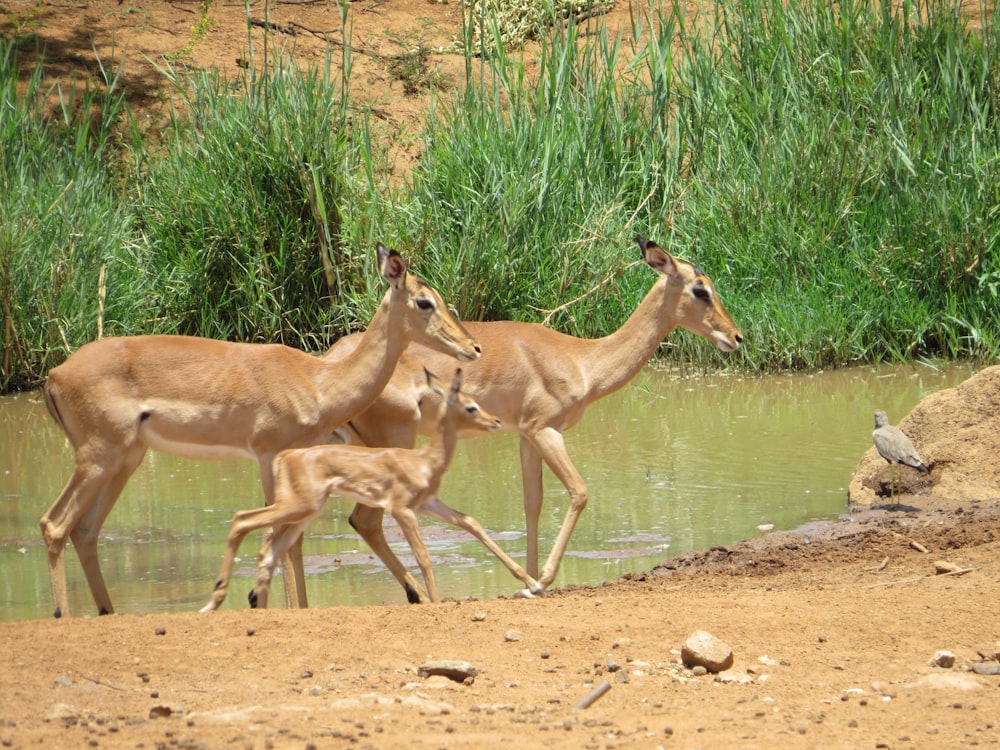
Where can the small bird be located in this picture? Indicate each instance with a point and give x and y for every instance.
(895, 447)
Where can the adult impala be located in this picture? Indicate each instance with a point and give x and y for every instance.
(403, 481)
(540, 382)
(207, 399)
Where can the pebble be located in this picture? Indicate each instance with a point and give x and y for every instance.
(705, 650)
(479, 617)
(943, 659)
(453, 669)
(513, 635)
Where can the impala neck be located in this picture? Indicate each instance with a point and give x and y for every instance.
(356, 380)
(440, 446)
(612, 361)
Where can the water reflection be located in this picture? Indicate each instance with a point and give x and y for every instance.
(672, 463)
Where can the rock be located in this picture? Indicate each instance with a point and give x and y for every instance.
(943, 566)
(704, 649)
(943, 659)
(513, 635)
(453, 669)
(159, 712)
(991, 668)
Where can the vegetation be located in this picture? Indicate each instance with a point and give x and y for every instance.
(834, 167)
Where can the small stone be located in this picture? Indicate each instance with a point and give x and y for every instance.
(159, 712)
(943, 659)
(513, 635)
(453, 669)
(479, 617)
(161, 630)
(250, 631)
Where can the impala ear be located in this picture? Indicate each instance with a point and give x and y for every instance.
(656, 257)
(434, 383)
(456, 384)
(391, 265)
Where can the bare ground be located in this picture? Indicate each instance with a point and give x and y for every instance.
(832, 627)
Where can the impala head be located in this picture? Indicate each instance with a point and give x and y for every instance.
(698, 307)
(427, 319)
(470, 415)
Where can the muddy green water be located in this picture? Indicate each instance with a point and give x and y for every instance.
(673, 464)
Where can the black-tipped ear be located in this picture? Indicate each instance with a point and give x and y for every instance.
(642, 242)
(456, 384)
(390, 264)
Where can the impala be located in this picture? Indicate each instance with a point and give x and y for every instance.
(205, 399)
(540, 382)
(403, 481)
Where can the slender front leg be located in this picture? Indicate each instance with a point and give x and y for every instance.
(436, 508)
(531, 482)
(553, 448)
(293, 571)
(407, 521)
(367, 522)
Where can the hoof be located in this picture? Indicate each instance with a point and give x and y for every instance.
(252, 598)
(411, 594)
(525, 594)
(58, 613)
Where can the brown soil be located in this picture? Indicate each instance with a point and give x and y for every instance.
(832, 627)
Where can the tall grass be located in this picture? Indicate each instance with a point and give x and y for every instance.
(67, 247)
(833, 168)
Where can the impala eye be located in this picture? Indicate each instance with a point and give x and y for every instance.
(425, 304)
(472, 409)
(702, 293)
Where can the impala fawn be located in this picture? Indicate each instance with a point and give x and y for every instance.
(403, 481)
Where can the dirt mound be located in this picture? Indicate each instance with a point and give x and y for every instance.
(957, 433)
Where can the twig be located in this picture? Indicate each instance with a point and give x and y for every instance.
(587, 293)
(102, 682)
(878, 568)
(912, 542)
(890, 583)
(588, 700)
(960, 572)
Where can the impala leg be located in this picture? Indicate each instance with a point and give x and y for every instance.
(245, 521)
(293, 571)
(78, 514)
(367, 521)
(407, 521)
(436, 508)
(271, 551)
(553, 449)
(59, 521)
(531, 482)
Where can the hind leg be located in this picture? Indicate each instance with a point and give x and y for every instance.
(78, 514)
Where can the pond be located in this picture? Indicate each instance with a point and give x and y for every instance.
(673, 463)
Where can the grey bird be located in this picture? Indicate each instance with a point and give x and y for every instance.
(896, 448)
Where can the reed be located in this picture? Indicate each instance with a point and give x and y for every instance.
(833, 168)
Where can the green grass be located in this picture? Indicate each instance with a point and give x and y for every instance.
(835, 172)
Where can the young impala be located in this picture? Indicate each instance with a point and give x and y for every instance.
(540, 382)
(200, 398)
(403, 481)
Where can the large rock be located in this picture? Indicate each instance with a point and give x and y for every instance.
(703, 649)
(957, 433)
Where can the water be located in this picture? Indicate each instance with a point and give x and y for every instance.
(672, 463)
